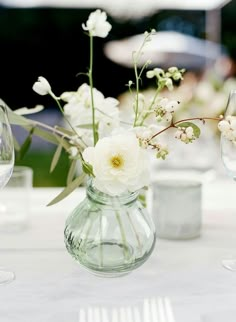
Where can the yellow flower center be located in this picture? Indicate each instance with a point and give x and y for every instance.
(117, 161)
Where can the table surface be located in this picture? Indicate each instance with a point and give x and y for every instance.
(52, 285)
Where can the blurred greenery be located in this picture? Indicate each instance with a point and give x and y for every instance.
(40, 162)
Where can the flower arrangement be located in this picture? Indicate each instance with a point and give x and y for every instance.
(114, 151)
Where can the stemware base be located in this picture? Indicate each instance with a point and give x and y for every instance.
(229, 264)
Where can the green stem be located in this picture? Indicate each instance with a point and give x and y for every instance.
(136, 57)
(135, 231)
(101, 241)
(123, 237)
(137, 92)
(62, 112)
(90, 74)
(151, 105)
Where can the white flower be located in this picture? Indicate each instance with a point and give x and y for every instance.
(97, 24)
(119, 164)
(42, 86)
(79, 112)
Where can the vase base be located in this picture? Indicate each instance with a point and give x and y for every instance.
(105, 274)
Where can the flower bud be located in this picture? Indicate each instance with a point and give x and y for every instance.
(42, 86)
(173, 70)
(150, 74)
(169, 84)
(73, 151)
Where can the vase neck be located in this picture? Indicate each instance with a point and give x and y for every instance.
(102, 198)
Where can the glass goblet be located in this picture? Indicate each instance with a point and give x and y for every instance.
(228, 156)
(7, 158)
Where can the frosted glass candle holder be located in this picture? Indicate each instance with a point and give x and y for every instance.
(177, 208)
(15, 200)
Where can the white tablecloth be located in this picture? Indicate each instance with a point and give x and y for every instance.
(51, 287)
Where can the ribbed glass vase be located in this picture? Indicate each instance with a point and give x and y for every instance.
(109, 236)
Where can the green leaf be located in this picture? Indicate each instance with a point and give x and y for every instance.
(56, 157)
(16, 143)
(68, 190)
(65, 131)
(18, 119)
(43, 134)
(142, 199)
(26, 145)
(13, 117)
(71, 171)
(66, 145)
(196, 129)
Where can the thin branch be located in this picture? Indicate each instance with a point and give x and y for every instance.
(174, 124)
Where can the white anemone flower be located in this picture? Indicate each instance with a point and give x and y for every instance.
(119, 164)
(97, 24)
(42, 86)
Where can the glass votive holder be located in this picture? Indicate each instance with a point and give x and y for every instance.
(15, 200)
(177, 208)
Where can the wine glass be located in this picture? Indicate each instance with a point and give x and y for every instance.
(7, 158)
(228, 156)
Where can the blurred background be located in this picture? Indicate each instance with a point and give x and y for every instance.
(45, 38)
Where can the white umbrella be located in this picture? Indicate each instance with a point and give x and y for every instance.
(166, 49)
(128, 8)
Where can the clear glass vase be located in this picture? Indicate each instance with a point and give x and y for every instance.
(109, 236)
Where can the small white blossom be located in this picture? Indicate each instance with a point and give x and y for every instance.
(173, 70)
(165, 109)
(119, 164)
(185, 134)
(150, 74)
(167, 117)
(228, 128)
(97, 24)
(156, 72)
(163, 151)
(224, 126)
(169, 84)
(171, 106)
(189, 132)
(42, 86)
